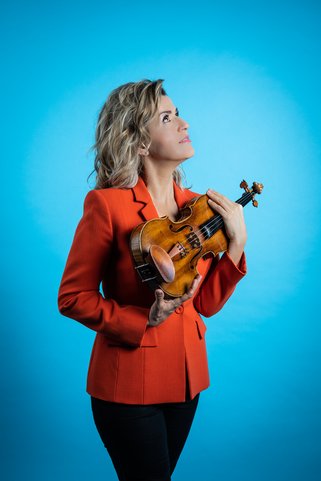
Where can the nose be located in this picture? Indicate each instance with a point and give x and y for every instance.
(183, 123)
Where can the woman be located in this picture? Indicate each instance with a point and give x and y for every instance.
(148, 363)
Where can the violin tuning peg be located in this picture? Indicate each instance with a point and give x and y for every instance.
(257, 187)
(244, 185)
(255, 203)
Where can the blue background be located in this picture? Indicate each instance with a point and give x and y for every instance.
(246, 76)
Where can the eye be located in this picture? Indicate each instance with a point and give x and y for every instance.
(167, 116)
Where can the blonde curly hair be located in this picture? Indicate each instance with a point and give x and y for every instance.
(122, 129)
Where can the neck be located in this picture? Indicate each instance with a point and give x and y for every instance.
(159, 183)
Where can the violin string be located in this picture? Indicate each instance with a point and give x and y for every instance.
(214, 223)
(217, 221)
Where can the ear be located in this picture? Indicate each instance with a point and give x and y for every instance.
(143, 150)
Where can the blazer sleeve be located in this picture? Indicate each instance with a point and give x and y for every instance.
(219, 284)
(79, 297)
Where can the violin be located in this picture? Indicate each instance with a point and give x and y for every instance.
(166, 252)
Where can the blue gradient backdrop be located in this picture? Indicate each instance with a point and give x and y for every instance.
(246, 76)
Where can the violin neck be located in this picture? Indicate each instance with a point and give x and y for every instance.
(245, 199)
(215, 223)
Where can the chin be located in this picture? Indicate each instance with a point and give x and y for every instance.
(189, 151)
(189, 155)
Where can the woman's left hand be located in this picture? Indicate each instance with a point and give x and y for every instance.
(232, 214)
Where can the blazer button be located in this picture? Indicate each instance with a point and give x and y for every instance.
(179, 309)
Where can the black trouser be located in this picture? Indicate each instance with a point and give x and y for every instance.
(144, 441)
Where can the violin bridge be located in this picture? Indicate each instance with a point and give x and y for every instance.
(178, 249)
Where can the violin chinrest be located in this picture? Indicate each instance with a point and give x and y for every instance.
(162, 262)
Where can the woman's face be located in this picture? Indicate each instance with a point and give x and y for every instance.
(167, 130)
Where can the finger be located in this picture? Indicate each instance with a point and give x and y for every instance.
(195, 284)
(225, 208)
(217, 207)
(159, 295)
(192, 289)
(219, 198)
(218, 195)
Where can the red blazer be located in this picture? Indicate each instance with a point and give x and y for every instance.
(130, 362)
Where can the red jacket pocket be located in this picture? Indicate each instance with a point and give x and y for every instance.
(150, 339)
(201, 327)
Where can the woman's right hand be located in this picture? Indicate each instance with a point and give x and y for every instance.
(162, 308)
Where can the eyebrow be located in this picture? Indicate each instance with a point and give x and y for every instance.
(169, 111)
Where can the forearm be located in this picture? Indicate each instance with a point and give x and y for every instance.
(124, 324)
(235, 251)
(219, 284)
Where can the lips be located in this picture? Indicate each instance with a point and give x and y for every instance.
(185, 139)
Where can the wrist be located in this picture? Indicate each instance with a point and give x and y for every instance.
(235, 251)
(238, 241)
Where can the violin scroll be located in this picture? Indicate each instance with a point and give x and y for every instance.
(256, 189)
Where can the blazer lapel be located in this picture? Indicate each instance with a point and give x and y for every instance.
(147, 209)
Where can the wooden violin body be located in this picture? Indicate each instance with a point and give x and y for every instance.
(166, 252)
